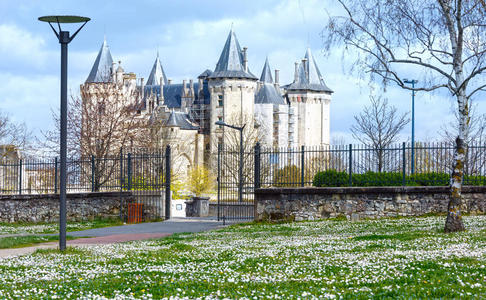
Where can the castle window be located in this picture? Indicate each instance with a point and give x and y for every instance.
(220, 119)
(220, 100)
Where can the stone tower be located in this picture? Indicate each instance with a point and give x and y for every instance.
(232, 91)
(309, 99)
(271, 110)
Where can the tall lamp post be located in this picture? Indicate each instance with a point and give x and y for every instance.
(240, 168)
(412, 82)
(64, 40)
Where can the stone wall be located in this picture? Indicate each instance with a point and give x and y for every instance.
(45, 208)
(366, 202)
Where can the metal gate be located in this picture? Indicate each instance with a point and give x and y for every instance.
(235, 183)
(147, 176)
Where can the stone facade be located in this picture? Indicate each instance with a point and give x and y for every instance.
(45, 208)
(355, 203)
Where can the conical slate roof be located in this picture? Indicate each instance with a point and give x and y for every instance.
(309, 79)
(205, 74)
(266, 73)
(268, 94)
(180, 119)
(102, 67)
(157, 73)
(230, 63)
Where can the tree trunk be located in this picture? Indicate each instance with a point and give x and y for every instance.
(454, 219)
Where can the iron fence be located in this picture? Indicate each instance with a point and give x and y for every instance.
(361, 165)
(146, 175)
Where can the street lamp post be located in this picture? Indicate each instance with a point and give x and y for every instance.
(64, 40)
(412, 82)
(240, 168)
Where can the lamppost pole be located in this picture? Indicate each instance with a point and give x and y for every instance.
(412, 82)
(240, 167)
(64, 40)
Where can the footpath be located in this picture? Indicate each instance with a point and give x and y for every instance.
(120, 234)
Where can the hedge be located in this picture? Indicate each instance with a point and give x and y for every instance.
(334, 178)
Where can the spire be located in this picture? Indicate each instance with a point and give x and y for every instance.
(314, 75)
(157, 73)
(268, 93)
(231, 61)
(307, 76)
(102, 67)
(266, 73)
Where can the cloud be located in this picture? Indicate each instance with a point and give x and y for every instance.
(23, 49)
(188, 44)
(29, 99)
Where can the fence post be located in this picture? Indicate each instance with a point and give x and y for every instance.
(92, 173)
(404, 172)
(219, 179)
(122, 204)
(350, 167)
(167, 183)
(302, 166)
(55, 175)
(20, 176)
(257, 166)
(129, 171)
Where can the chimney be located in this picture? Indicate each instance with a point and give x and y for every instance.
(113, 73)
(296, 74)
(277, 76)
(191, 87)
(200, 87)
(245, 59)
(161, 95)
(305, 64)
(141, 84)
(169, 81)
(184, 89)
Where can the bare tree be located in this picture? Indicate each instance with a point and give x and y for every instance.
(252, 133)
(103, 121)
(378, 126)
(444, 40)
(14, 136)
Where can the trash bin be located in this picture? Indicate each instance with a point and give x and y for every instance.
(134, 212)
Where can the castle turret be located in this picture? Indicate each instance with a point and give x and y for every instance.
(232, 87)
(309, 99)
(271, 111)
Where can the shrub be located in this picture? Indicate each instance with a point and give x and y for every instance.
(378, 179)
(474, 180)
(429, 179)
(289, 176)
(200, 180)
(335, 178)
(331, 178)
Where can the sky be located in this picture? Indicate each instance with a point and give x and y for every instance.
(189, 36)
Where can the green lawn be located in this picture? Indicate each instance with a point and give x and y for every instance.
(44, 228)
(27, 240)
(388, 258)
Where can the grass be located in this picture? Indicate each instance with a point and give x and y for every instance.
(27, 240)
(46, 228)
(404, 258)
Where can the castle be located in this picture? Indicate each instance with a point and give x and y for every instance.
(289, 115)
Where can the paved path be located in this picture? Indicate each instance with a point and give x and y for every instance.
(125, 233)
(174, 225)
